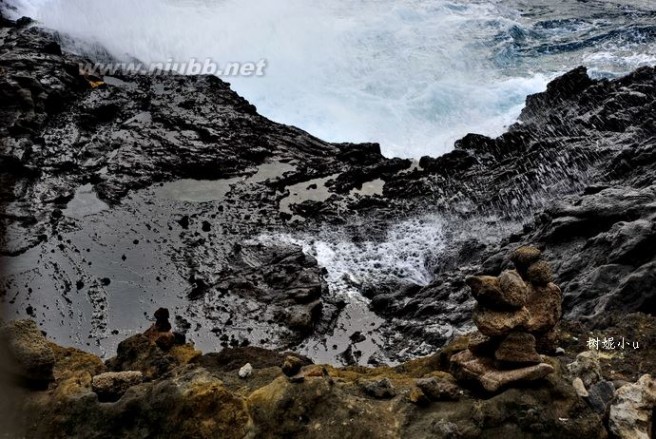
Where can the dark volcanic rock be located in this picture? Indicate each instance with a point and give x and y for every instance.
(577, 170)
(287, 283)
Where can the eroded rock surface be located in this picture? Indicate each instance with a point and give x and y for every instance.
(206, 397)
(506, 350)
(26, 351)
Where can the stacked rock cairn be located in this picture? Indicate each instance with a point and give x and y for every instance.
(516, 316)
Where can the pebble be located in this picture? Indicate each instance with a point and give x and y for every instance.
(246, 371)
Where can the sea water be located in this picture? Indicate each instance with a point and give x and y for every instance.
(413, 75)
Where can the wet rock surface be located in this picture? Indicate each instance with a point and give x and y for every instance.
(131, 191)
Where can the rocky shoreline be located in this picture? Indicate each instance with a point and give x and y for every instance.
(101, 199)
(158, 385)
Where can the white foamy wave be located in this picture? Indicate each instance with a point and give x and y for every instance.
(414, 75)
(405, 255)
(610, 63)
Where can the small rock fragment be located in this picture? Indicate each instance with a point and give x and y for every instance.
(580, 387)
(416, 396)
(246, 371)
(587, 367)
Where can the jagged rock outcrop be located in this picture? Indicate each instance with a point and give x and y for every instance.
(206, 397)
(154, 353)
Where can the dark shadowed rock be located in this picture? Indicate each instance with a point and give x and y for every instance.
(437, 390)
(600, 395)
(292, 365)
(141, 354)
(483, 345)
(539, 273)
(523, 257)
(379, 389)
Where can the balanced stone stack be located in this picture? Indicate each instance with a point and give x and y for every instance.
(516, 316)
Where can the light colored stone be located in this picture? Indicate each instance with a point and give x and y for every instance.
(246, 371)
(110, 386)
(632, 410)
(587, 367)
(580, 387)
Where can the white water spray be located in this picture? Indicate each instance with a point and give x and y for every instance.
(405, 255)
(414, 75)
